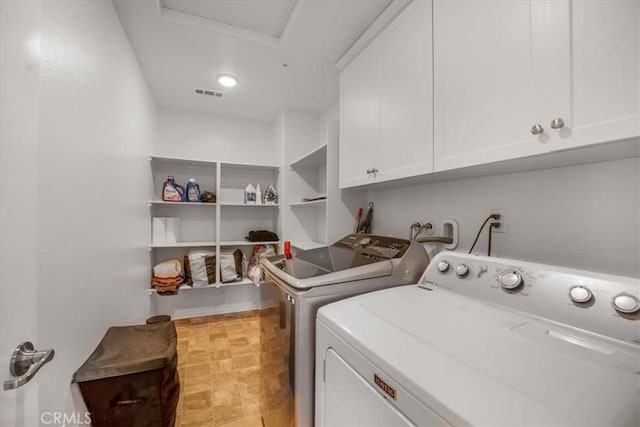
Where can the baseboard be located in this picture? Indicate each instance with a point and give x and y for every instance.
(212, 311)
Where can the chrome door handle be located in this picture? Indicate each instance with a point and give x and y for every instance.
(25, 362)
(557, 123)
(537, 129)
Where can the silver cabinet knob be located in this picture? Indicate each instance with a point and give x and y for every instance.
(557, 123)
(537, 129)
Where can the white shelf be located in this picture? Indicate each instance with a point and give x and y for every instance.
(249, 166)
(163, 203)
(182, 161)
(314, 159)
(317, 203)
(185, 287)
(182, 244)
(251, 206)
(307, 245)
(246, 243)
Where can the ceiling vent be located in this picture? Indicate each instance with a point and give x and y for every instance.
(209, 92)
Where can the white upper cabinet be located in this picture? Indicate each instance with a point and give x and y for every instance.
(519, 78)
(386, 103)
(359, 115)
(605, 86)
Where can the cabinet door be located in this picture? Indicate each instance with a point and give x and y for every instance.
(406, 95)
(497, 67)
(604, 87)
(359, 117)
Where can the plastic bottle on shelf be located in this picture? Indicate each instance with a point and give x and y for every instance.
(250, 195)
(172, 192)
(193, 191)
(258, 195)
(288, 256)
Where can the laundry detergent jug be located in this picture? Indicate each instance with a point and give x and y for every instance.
(172, 192)
(193, 191)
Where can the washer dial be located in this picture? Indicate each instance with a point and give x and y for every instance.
(462, 270)
(443, 266)
(580, 294)
(510, 280)
(625, 303)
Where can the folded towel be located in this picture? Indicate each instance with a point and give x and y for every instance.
(169, 281)
(168, 269)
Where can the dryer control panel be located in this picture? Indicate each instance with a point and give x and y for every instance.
(605, 304)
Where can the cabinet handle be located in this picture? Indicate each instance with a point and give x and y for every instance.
(374, 170)
(557, 123)
(369, 171)
(537, 129)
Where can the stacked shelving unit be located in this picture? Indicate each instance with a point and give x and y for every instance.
(215, 226)
(309, 180)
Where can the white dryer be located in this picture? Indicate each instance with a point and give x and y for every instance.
(483, 341)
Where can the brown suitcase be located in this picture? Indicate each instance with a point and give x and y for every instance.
(131, 378)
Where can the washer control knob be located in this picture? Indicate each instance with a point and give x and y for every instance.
(580, 294)
(511, 280)
(462, 270)
(443, 266)
(625, 303)
(365, 242)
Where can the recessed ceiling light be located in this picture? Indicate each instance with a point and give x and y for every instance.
(227, 80)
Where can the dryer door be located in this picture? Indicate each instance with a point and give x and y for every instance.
(350, 400)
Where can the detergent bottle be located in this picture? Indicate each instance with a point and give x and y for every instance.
(172, 192)
(193, 191)
(258, 195)
(250, 195)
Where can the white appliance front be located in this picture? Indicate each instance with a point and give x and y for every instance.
(348, 398)
(454, 359)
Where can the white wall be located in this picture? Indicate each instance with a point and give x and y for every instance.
(204, 136)
(96, 127)
(585, 216)
(342, 205)
(209, 137)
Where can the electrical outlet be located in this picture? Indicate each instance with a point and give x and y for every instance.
(428, 228)
(503, 220)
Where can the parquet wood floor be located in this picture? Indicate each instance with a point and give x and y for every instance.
(233, 371)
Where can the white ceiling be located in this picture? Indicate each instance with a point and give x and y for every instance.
(183, 44)
(268, 17)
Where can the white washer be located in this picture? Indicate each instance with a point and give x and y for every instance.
(483, 341)
(355, 264)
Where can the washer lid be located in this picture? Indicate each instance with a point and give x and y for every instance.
(479, 364)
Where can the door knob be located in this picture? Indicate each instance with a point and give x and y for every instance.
(24, 364)
(557, 123)
(537, 129)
